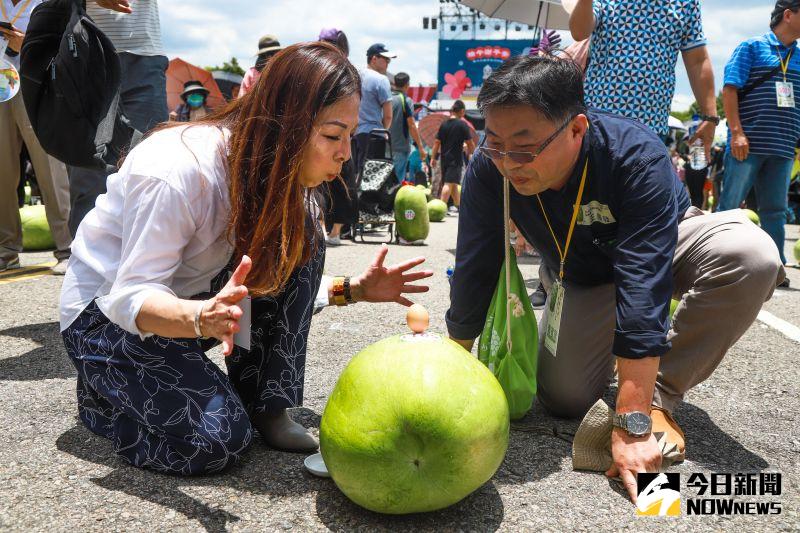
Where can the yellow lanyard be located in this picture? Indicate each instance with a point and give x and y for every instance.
(20, 11)
(784, 64)
(576, 207)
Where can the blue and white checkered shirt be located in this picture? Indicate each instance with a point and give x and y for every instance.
(633, 52)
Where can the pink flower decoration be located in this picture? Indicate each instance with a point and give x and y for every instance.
(457, 83)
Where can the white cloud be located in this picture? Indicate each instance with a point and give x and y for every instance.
(205, 32)
(681, 102)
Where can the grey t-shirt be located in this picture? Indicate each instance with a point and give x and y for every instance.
(401, 137)
(375, 91)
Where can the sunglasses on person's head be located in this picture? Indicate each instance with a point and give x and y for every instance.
(523, 158)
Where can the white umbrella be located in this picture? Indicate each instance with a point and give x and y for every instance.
(540, 13)
(676, 124)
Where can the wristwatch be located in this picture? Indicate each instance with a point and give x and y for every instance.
(710, 118)
(636, 423)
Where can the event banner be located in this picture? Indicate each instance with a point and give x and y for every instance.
(464, 64)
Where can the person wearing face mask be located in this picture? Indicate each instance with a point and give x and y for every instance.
(208, 234)
(194, 107)
(597, 196)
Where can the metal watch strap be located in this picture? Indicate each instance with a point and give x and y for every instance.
(348, 296)
(621, 420)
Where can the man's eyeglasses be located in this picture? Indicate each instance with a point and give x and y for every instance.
(523, 158)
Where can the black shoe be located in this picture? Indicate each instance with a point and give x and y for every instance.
(784, 284)
(539, 297)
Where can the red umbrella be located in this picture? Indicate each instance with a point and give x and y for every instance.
(179, 72)
(429, 126)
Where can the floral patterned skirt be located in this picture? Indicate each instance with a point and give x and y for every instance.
(165, 405)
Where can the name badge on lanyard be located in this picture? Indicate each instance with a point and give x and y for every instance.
(555, 304)
(555, 297)
(785, 92)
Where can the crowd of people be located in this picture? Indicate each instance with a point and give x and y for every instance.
(208, 222)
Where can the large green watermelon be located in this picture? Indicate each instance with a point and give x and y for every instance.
(36, 233)
(427, 191)
(753, 216)
(415, 423)
(437, 210)
(411, 213)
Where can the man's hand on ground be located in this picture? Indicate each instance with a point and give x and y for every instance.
(123, 6)
(633, 455)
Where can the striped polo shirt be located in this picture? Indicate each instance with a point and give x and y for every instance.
(771, 130)
(136, 33)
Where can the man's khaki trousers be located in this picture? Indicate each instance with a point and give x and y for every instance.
(51, 175)
(725, 268)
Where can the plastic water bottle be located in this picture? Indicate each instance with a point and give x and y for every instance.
(449, 272)
(697, 151)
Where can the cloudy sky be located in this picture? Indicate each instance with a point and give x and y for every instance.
(208, 32)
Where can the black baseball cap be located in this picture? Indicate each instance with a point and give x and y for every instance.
(379, 49)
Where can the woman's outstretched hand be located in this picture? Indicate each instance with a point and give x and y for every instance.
(388, 284)
(220, 315)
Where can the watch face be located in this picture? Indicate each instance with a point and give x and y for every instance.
(638, 423)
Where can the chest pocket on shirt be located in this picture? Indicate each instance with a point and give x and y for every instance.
(604, 236)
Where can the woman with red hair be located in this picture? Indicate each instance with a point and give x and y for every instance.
(203, 223)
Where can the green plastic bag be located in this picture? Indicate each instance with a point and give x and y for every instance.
(514, 363)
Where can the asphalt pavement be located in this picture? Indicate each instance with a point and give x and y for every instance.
(56, 475)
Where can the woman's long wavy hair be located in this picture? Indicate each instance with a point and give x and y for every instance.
(270, 130)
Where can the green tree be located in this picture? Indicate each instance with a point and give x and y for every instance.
(695, 109)
(231, 66)
(683, 116)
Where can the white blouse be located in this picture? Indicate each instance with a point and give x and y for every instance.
(160, 227)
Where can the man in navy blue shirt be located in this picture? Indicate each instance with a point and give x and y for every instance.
(635, 242)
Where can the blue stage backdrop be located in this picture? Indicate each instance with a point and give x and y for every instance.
(463, 65)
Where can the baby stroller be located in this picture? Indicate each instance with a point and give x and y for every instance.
(377, 187)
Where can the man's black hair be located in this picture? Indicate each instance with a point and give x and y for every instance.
(551, 85)
(780, 7)
(401, 79)
(458, 106)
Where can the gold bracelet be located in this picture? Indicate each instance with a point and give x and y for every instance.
(338, 291)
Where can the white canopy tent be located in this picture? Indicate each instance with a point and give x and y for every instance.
(550, 14)
(675, 124)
